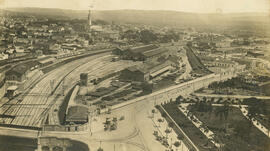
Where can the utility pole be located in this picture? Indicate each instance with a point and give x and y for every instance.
(52, 85)
(63, 87)
(90, 122)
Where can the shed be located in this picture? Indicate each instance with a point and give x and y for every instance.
(77, 114)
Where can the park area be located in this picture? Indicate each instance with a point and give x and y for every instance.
(195, 135)
(230, 127)
(214, 125)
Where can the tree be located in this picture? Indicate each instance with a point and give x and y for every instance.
(180, 138)
(100, 149)
(159, 121)
(223, 112)
(242, 130)
(171, 125)
(167, 131)
(177, 144)
(163, 115)
(153, 112)
(178, 99)
(147, 36)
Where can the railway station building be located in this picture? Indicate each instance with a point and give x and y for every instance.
(142, 53)
(20, 73)
(145, 73)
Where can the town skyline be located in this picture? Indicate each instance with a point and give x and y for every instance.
(193, 6)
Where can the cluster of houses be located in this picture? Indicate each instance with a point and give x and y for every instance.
(21, 36)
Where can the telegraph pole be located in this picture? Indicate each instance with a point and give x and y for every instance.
(52, 85)
(63, 87)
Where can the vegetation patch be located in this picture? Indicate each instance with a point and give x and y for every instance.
(230, 127)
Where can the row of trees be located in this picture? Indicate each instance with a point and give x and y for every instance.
(234, 83)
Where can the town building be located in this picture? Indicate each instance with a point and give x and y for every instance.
(143, 53)
(19, 73)
(134, 73)
(254, 54)
(77, 115)
(146, 72)
(46, 61)
(3, 56)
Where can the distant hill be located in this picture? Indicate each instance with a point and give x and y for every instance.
(253, 21)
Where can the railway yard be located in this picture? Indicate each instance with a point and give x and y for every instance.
(31, 109)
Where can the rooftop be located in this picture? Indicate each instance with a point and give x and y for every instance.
(46, 59)
(150, 68)
(142, 49)
(12, 88)
(154, 52)
(77, 113)
(22, 68)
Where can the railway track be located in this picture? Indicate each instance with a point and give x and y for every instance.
(40, 88)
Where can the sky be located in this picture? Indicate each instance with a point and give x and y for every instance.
(199, 6)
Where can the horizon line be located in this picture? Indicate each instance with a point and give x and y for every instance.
(194, 12)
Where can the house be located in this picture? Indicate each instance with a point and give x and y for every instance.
(39, 52)
(254, 54)
(223, 44)
(10, 50)
(19, 49)
(55, 47)
(3, 56)
(22, 40)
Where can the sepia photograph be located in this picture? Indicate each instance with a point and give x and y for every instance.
(134, 75)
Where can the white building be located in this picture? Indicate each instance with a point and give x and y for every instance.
(3, 56)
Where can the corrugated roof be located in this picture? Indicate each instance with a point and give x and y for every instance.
(150, 68)
(160, 66)
(142, 69)
(154, 52)
(143, 48)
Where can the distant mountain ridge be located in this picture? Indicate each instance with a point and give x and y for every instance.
(158, 17)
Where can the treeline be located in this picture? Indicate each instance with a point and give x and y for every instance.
(234, 83)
